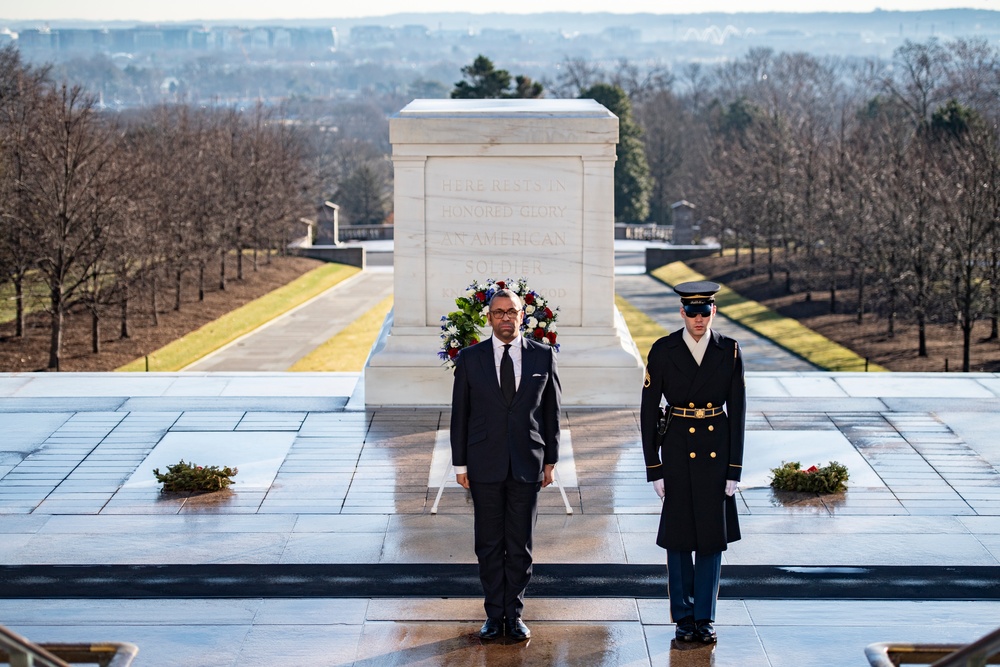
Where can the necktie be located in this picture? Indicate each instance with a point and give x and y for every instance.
(507, 383)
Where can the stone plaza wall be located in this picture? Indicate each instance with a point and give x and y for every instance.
(504, 189)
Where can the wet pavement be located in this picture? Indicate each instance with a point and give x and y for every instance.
(325, 546)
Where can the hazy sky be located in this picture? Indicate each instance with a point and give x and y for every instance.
(185, 10)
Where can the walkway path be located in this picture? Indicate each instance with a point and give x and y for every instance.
(277, 345)
(662, 305)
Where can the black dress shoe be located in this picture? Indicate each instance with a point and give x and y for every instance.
(686, 629)
(491, 628)
(516, 629)
(706, 632)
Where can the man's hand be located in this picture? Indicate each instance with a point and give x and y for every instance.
(731, 485)
(658, 487)
(462, 479)
(550, 474)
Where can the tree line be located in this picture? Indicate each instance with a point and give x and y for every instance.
(830, 174)
(111, 213)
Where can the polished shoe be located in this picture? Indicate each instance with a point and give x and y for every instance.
(686, 629)
(706, 632)
(491, 628)
(516, 629)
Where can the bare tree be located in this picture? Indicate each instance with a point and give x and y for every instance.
(71, 192)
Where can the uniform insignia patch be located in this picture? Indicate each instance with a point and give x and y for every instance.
(645, 382)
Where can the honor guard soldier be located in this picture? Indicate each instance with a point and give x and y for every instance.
(693, 416)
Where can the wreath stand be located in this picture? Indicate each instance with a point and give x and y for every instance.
(450, 473)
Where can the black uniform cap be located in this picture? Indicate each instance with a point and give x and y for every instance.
(697, 292)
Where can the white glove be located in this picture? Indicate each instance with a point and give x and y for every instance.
(731, 485)
(658, 487)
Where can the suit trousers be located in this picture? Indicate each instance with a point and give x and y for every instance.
(505, 514)
(693, 586)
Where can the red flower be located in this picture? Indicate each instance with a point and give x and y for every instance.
(529, 298)
(480, 296)
(452, 352)
(548, 313)
(811, 470)
(552, 337)
(501, 284)
(538, 332)
(473, 341)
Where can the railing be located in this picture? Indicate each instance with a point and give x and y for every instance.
(17, 651)
(643, 232)
(983, 651)
(365, 232)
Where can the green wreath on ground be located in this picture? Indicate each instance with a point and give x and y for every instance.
(831, 478)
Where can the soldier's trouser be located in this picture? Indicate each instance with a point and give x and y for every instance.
(693, 584)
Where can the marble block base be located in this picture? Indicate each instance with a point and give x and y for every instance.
(597, 367)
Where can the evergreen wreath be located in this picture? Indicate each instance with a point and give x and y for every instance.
(462, 328)
(831, 478)
(195, 478)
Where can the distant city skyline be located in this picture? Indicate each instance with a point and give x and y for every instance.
(215, 10)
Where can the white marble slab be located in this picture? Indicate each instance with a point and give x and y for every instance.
(258, 456)
(441, 469)
(812, 386)
(765, 450)
(912, 385)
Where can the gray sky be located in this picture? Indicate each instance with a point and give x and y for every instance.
(192, 10)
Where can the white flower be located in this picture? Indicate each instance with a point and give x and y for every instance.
(539, 302)
(529, 309)
(454, 343)
(532, 323)
(452, 329)
(552, 327)
(543, 324)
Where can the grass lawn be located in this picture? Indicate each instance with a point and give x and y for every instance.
(644, 330)
(185, 351)
(34, 299)
(783, 331)
(348, 350)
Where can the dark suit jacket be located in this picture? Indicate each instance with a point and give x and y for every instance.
(489, 436)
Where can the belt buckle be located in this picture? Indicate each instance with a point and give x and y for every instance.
(699, 413)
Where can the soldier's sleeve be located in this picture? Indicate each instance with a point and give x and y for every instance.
(736, 408)
(649, 413)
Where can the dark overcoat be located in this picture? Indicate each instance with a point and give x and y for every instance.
(489, 436)
(697, 456)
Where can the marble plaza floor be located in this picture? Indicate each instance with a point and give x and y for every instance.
(325, 551)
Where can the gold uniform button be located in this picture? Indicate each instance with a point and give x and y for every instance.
(690, 405)
(712, 455)
(693, 454)
(709, 405)
(711, 428)
(691, 430)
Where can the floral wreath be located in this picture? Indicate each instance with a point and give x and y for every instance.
(461, 328)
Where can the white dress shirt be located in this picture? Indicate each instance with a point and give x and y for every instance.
(697, 347)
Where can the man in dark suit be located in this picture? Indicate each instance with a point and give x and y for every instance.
(505, 444)
(697, 371)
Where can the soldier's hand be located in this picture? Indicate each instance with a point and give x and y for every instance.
(658, 487)
(462, 479)
(549, 475)
(731, 485)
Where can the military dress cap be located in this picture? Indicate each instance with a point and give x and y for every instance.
(697, 292)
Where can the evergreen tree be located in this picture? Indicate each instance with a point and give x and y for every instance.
(483, 82)
(633, 184)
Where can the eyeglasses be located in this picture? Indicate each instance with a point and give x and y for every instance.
(704, 309)
(498, 314)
